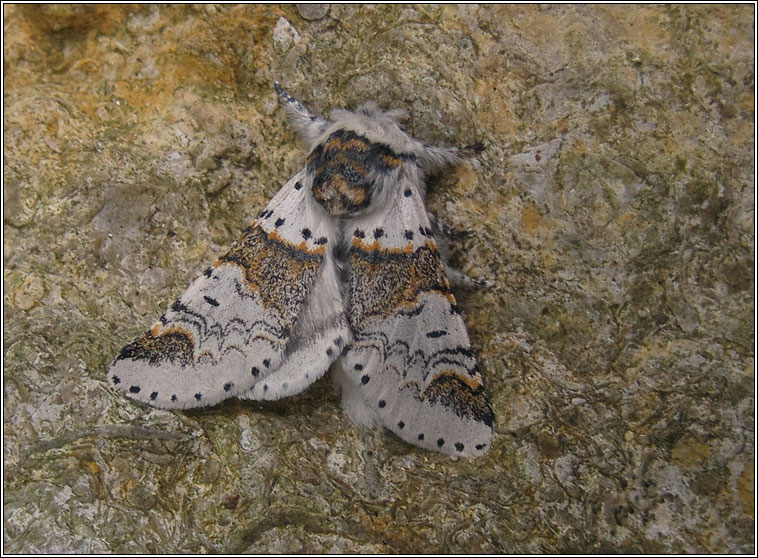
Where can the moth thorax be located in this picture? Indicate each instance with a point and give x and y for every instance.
(345, 167)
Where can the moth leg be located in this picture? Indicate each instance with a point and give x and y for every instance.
(308, 126)
(441, 229)
(445, 235)
(469, 151)
(458, 278)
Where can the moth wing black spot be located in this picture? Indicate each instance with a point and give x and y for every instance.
(436, 334)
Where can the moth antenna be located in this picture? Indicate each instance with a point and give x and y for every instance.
(307, 125)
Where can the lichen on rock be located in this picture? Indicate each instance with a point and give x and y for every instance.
(613, 208)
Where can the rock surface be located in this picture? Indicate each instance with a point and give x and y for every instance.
(613, 209)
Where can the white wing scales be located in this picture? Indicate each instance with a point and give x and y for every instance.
(322, 333)
(230, 330)
(410, 366)
(342, 265)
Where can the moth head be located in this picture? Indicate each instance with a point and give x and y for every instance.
(356, 157)
(384, 128)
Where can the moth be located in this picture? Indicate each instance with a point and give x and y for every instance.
(341, 270)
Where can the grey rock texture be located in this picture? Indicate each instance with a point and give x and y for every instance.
(613, 210)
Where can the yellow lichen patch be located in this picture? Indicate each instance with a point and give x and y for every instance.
(497, 111)
(688, 452)
(530, 220)
(746, 487)
(466, 178)
(198, 250)
(29, 293)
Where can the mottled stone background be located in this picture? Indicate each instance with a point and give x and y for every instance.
(613, 208)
